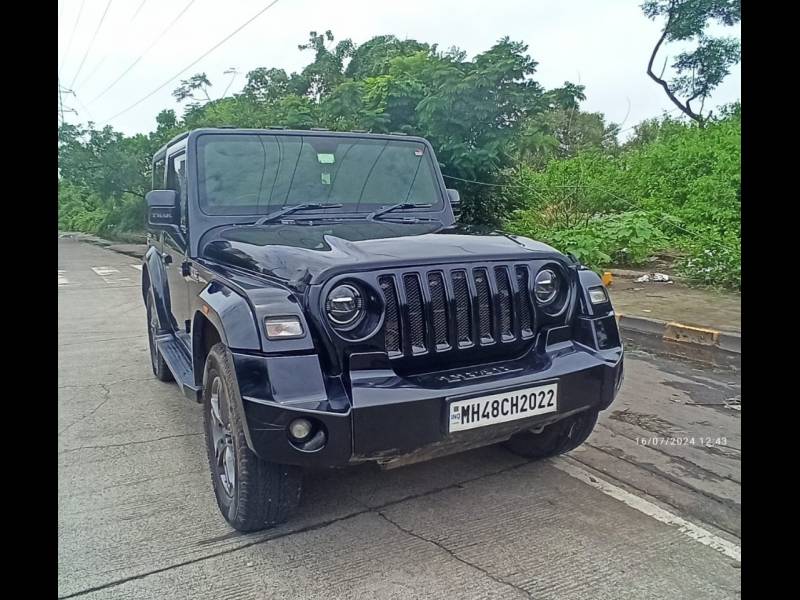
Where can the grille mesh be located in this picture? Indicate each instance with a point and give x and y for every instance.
(439, 304)
(416, 317)
(484, 305)
(463, 314)
(525, 314)
(392, 321)
(503, 301)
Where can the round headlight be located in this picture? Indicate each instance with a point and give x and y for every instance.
(345, 306)
(545, 286)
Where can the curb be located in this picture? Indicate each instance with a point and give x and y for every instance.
(704, 344)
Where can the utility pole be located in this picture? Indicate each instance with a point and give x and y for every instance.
(60, 102)
(61, 108)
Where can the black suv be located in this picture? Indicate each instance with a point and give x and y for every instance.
(313, 290)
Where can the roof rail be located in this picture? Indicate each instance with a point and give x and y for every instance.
(397, 133)
(359, 131)
(319, 129)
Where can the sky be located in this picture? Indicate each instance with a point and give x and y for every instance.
(601, 44)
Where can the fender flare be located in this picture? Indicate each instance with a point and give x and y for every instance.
(231, 315)
(158, 283)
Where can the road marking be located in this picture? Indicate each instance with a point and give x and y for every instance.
(107, 274)
(691, 530)
(62, 280)
(137, 267)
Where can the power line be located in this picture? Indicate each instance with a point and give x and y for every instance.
(102, 60)
(71, 37)
(150, 47)
(92, 72)
(193, 63)
(91, 42)
(137, 10)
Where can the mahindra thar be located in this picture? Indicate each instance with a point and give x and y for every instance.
(314, 291)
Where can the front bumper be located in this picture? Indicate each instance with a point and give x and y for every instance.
(376, 415)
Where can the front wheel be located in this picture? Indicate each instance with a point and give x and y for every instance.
(558, 438)
(252, 494)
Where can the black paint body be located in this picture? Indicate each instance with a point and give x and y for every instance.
(221, 277)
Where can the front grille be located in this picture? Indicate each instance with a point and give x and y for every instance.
(439, 310)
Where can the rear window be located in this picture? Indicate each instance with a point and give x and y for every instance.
(244, 174)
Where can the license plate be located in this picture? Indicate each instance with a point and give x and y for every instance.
(500, 408)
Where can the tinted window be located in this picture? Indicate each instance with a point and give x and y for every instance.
(158, 174)
(258, 173)
(176, 180)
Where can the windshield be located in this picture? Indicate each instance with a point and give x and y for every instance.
(259, 173)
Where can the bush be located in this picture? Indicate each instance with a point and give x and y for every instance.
(678, 189)
(79, 209)
(714, 261)
(624, 238)
(127, 215)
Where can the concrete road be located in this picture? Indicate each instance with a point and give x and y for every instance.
(649, 507)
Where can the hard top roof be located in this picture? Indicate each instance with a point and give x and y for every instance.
(282, 131)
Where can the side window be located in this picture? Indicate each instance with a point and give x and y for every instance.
(158, 174)
(176, 180)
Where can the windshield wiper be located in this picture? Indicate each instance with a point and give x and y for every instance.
(400, 206)
(273, 216)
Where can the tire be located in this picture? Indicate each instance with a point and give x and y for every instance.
(558, 438)
(160, 368)
(260, 494)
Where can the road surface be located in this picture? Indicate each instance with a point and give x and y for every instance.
(650, 507)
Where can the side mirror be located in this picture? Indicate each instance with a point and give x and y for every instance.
(455, 202)
(162, 209)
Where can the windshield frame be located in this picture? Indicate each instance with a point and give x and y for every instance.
(441, 203)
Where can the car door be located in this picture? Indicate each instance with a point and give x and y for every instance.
(175, 248)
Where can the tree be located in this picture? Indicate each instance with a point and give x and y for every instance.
(327, 70)
(190, 87)
(267, 85)
(697, 72)
(372, 58)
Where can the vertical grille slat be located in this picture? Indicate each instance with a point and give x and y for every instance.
(463, 308)
(392, 319)
(504, 302)
(485, 316)
(526, 310)
(457, 310)
(416, 316)
(438, 309)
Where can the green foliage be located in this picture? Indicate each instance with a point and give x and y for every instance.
(79, 209)
(678, 189)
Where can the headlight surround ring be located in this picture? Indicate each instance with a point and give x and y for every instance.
(344, 307)
(546, 286)
(551, 290)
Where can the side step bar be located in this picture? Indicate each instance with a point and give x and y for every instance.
(179, 364)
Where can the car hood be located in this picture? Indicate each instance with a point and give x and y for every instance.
(306, 254)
